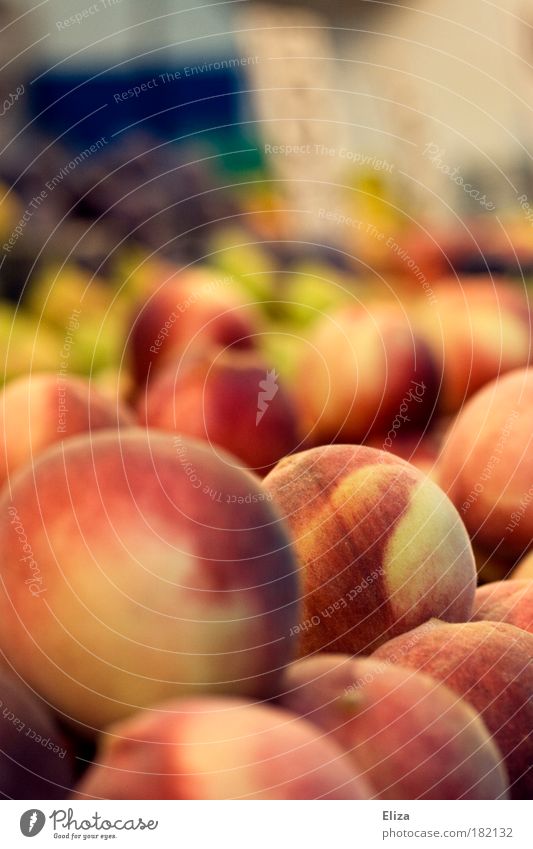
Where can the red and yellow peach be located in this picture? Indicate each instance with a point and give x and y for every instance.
(234, 402)
(217, 749)
(411, 737)
(488, 664)
(364, 372)
(486, 465)
(190, 309)
(137, 567)
(380, 547)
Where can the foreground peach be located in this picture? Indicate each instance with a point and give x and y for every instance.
(489, 664)
(235, 402)
(135, 568)
(220, 749)
(380, 547)
(476, 329)
(411, 736)
(40, 409)
(188, 309)
(36, 759)
(486, 465)
(364, 372)
(506, 601)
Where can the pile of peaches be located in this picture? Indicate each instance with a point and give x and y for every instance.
(282, 549)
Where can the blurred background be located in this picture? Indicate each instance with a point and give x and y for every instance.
(388, 143)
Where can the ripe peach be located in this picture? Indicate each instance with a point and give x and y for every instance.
(36, 759)
(137, 567)
(189, 309)
(364, 372)
(381, 548)
(506, 601)
(216, 748)
(40, 409)
(235, 402)
(488, 664)
(486, 465)
(476, 329)
(410, 735)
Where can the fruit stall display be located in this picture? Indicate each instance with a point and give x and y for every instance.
(266, 517)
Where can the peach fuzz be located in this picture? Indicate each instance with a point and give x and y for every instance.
(235, 402)
(380, 547)
(38, 410)
(486, 465)
(215, 749)
(489, 665)
(411, 736)
(505, 601)
(135, 569)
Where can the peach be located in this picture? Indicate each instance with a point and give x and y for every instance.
(380, 547)
(36, 759)
(486, 465)
(476, 329)
(488, 664)
(410, 735)
(235, 402)
(40, 409)
(220, 749)
(189, 309)
(505, 601)
(137, 567)
(364, 372)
